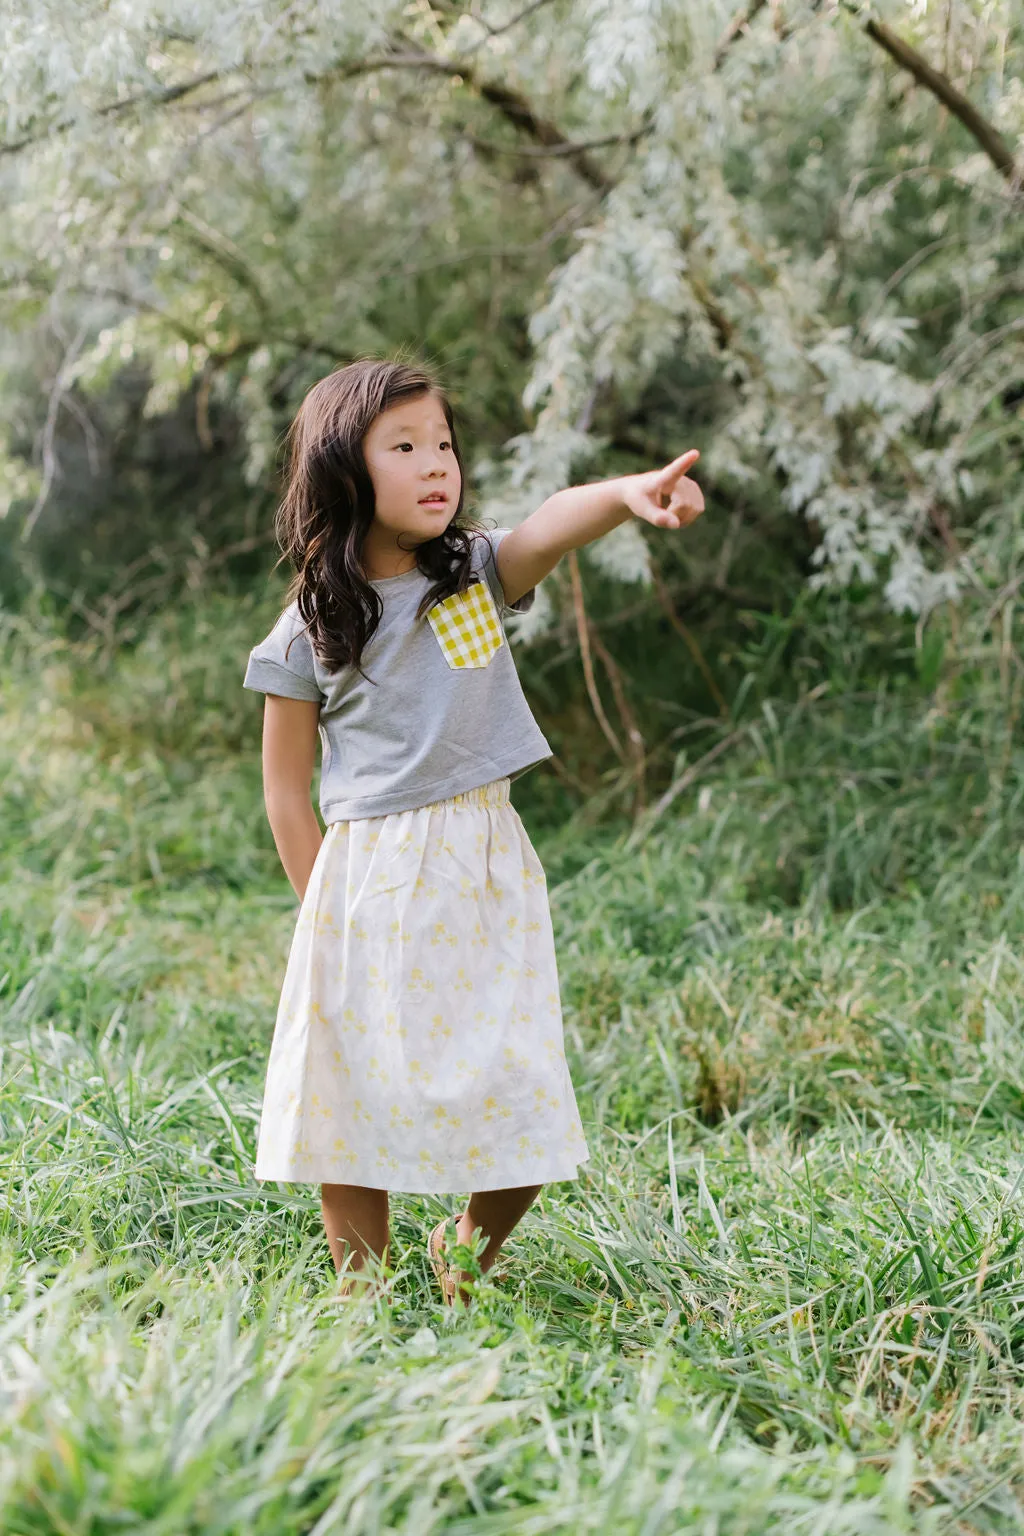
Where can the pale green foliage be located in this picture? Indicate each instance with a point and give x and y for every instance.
(621, 43)
(797, 224)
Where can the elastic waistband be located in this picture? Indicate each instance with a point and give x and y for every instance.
(495, 793)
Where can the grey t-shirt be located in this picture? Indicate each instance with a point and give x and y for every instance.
(448, 712)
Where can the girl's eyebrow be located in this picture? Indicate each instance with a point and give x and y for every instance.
(404, 427)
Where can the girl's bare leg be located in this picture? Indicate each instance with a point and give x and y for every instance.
(356, 1219)
(494, 1212)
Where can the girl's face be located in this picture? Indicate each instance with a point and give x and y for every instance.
(415, 474)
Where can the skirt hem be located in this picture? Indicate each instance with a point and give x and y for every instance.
(412, 1184)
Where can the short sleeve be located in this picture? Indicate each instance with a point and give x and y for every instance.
(491, 538)
(284, 662)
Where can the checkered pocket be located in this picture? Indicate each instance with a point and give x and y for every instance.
(467, 626)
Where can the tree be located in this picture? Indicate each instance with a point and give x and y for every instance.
(791, 231)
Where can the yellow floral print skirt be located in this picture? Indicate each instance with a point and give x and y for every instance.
(418, 1043)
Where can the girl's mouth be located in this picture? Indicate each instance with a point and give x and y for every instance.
(434, 501)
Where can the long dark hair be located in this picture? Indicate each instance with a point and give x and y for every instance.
(328, 506)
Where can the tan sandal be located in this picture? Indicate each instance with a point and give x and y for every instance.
(445, 1278)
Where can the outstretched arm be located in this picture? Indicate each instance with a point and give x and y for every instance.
(581, 513)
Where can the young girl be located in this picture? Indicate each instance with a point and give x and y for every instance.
(418, 1043)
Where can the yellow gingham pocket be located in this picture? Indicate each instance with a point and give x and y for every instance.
(467, 626)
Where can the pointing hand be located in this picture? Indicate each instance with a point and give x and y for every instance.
(665, 497)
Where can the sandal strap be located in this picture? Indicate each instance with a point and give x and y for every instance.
(440, 1268)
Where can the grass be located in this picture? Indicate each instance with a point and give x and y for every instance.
(786, 1293)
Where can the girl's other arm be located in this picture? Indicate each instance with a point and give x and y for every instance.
(289, 755)
(582, 513)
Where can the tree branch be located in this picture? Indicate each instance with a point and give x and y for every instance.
(113, 108)
(497, 31)
(583, 633)
(555, 150)
(640, 832)
(629, 722)
(943, 89)
(908, 58)
(510, 103)
(739, 23)
(224, 252)
(51, 468)
(689, 640)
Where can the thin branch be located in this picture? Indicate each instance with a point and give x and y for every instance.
(203, 432)
(219, 359)
(1010, 590)
(586, 633)
(943, 89)
(944, 529)
(209, 104)
(554, 151)
(639, 833)
(976, 348)
(114, 108)
(573, 215)
(146, 306)
(223, 250)
(628, 718)
(61, 385)
(509, 102)
(739, 23)
(555, 763)
(76, 409)
(583, 633)
(506, 26)
(912, 262)
(518, 111)
(689, 640)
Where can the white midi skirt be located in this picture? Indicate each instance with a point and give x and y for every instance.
(418, 1043)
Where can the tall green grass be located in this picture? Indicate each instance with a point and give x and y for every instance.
(787, 1291)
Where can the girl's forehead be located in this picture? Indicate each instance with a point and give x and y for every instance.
(411, 416)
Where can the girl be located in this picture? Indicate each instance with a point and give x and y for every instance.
(418, 1043)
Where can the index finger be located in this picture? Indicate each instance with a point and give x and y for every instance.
(672, 472)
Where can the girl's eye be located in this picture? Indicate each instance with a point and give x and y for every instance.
(444, 444)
